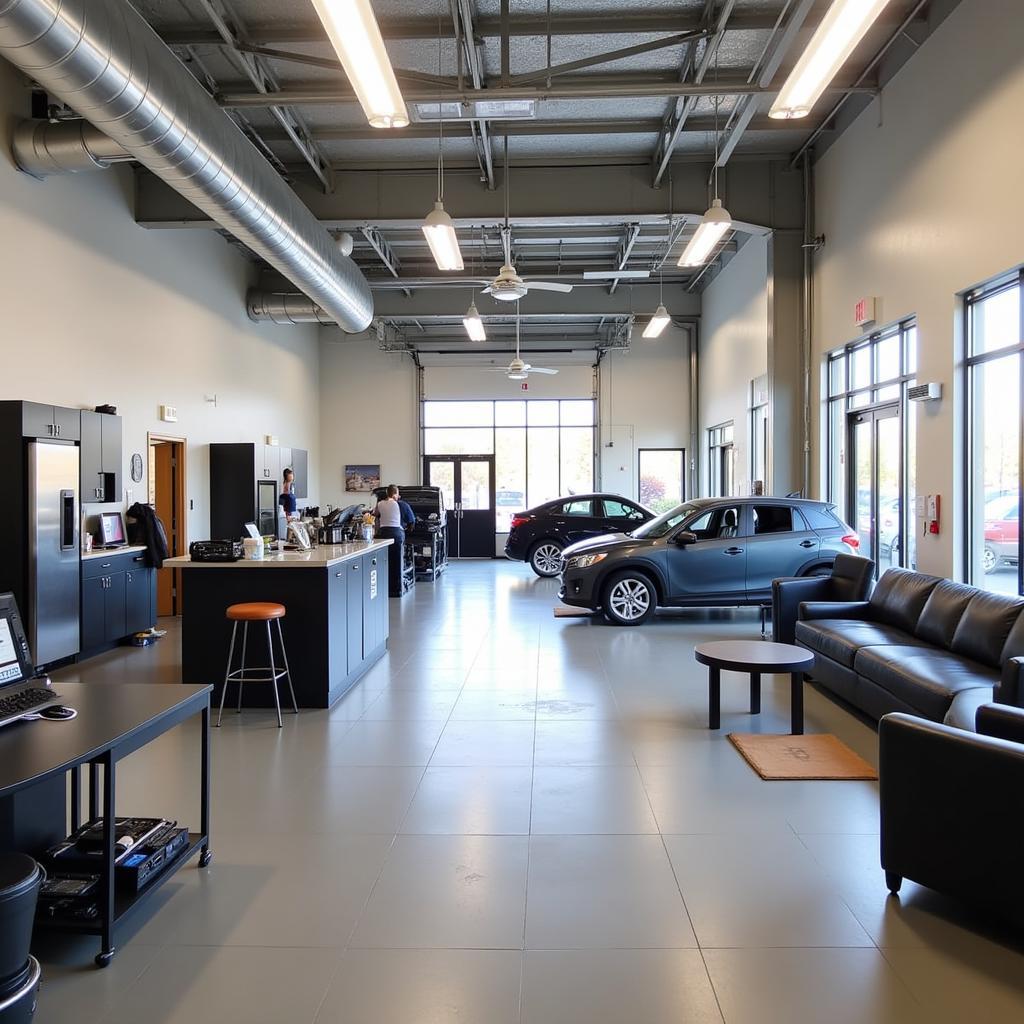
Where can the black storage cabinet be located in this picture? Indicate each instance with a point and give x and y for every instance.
(100, 455)
(118, 599)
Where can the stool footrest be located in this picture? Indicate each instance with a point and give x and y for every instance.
(243, 675)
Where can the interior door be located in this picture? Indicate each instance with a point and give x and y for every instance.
(876, 477)
(467, 485)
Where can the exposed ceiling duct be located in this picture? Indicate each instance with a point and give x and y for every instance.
(42, 148)
(284, 308)
(102, 59)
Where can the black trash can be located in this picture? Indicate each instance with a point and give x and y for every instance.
(18, 998)
(20, 878)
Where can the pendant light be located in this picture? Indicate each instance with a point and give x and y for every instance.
(473, 324)
(716, 220)
(661, 319)
(437, 225)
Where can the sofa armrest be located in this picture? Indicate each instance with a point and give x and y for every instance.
(1011, 683)
(951, 804)
(832, 610)
(787, 594)
(1002, 721)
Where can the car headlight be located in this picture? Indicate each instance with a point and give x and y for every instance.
(585, 561)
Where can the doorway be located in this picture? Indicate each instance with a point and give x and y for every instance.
(167, 496)
(876, 483)
(467, 485)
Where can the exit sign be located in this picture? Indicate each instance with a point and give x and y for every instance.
(524, 386)
(864, 311)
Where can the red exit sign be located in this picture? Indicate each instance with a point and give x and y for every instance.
(864, 311)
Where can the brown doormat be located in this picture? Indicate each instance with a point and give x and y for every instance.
(801, 757)
(563, 611)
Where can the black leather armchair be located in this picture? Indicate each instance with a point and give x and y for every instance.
(850, 582)
(952, 807)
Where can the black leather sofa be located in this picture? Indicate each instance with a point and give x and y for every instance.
(919, 644)
(952, 807)
(850, 580)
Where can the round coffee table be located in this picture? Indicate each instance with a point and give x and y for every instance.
(755, 657)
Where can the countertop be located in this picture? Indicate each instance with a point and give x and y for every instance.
(109, 552)
(316, 558)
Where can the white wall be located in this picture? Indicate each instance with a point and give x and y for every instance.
(918, 200)
(734, 351)
(98, 310)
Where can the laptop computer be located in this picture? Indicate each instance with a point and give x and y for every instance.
(20, 693)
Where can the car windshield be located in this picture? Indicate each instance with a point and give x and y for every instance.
(665, 523)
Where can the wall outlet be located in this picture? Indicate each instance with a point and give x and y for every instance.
(169, 413)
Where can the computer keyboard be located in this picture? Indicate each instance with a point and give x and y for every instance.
(26, 701)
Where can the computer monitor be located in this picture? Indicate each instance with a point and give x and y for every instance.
(112, 532)
(15, 656)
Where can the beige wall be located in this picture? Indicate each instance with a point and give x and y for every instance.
(98, 310)
(920, 199)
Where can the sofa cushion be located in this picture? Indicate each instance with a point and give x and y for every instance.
(900, 596)
(1014, 646)
(985, 626)
(924, 677)
(840, 639)
(942, 612)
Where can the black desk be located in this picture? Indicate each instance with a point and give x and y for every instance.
(36, 759)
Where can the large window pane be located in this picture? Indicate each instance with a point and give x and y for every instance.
(442, 474)
(541, 464)
(887, 358)
(476, 485)
(995, 474)
(542, 414)
(837, 453)
(578, 413)
(458, 414)
(860, 367)
(577, 458)
(661, 478)
(510, 474)
(458, 441)
(837, 374)
(995, 322)
(510, 414)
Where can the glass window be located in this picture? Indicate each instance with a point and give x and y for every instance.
(720, 460)
(995, 321)
(661, 474)
(577, 460)
(577, 414)
(772, 519)
(442, 474)
(510, 474)
(576, 508)
(820, 517)
(860, 367)
(458, 441)
(542, 414)
(458, 414)
(510, 414)
(620, 510)
(476, 485)
(887, 357)
(542, 482)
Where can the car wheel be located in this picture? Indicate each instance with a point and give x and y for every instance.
(629, 599)
(546, 558)
(819, 570)
(989, 560)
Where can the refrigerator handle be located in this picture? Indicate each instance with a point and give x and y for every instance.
(67, 520)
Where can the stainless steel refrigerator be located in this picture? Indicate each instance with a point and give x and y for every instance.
(54, 560)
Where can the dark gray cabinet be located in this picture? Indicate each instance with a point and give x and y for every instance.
(338, 630)
(100, 456)
(138, 600)
(375, 598)
(118, 598)
(354, 574)
(38, 420)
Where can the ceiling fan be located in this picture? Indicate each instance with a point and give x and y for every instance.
(508, 286)
(518, 369)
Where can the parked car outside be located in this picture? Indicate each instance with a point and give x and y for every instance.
(540, 534)
(1002, 530)
(710, 551)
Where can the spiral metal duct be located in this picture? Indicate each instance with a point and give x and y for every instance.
(103, 60)
(41, 148)
(285, 308)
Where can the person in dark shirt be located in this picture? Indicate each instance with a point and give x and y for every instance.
(287, 500)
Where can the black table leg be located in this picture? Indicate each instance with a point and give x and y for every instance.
(94, 791)
(714, 697)
(106, 953)
(205, 854)
(755, 693)
(797, 704)
(76, 797)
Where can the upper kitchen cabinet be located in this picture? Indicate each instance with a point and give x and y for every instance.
(100, 457)
(39, 420)
(300, 466)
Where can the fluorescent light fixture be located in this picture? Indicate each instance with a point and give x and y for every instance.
(355, 36)
(709, 233)
(843, 27)
(657, 323)
(473, 324)
(440, 234)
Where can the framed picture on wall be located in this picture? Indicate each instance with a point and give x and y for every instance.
(362, 478)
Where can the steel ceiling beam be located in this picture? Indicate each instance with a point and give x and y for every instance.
(462, 14)
(382, 248)
(232, 33)
(625, 248)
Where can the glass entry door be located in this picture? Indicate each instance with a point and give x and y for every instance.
(467, 484)
(876, 475)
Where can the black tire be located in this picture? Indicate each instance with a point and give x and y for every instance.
(629, 599)
(546, 558)
(818, 570)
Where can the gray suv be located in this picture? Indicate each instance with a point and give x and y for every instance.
(710, 551)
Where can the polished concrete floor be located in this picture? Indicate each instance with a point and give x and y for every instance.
(517, 818)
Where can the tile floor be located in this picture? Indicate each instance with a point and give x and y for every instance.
(516, 818)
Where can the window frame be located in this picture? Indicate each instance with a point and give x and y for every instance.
(971, 299)
(682, 469)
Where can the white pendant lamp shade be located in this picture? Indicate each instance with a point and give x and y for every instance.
(473, 324)
(709, 233)
(355, 36)
(440, 234)
(657, 323)
(845, 24)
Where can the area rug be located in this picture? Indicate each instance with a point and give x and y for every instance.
(801, 757)
(563, 611)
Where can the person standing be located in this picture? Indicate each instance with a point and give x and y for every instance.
(287, 500)
(388, 514)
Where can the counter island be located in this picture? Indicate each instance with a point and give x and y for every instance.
(336, 625)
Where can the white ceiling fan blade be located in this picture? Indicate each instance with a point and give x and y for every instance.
(542, 369)
(495, 369)
(548, 286)
(597, 275)
(487, 290)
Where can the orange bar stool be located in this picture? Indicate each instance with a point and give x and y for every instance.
(265, 612)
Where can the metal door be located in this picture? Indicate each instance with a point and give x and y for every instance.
(876, 483)
(467, 485)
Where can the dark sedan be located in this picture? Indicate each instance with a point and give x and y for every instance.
(539, 535)
(711, 551)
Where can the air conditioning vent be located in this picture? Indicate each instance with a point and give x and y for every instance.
(925, 392)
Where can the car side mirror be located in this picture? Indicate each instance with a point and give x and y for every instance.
(685, 538)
